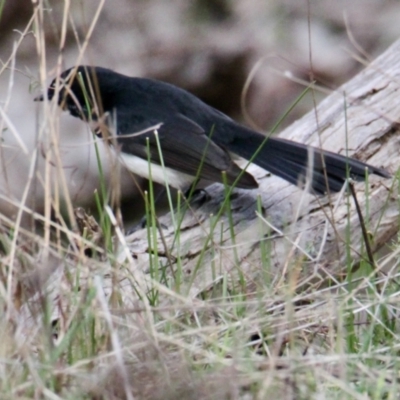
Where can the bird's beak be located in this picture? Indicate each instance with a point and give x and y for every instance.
(39, 98)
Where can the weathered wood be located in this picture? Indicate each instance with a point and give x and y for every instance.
(361, 116)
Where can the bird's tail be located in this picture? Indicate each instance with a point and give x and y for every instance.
(299, 164)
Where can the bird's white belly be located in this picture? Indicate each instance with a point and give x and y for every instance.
(141, 167)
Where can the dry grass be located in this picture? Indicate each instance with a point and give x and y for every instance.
(80, 322)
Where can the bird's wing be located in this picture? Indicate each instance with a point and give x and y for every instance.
(186, 148)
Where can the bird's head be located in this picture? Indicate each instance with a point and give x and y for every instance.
(77, 91)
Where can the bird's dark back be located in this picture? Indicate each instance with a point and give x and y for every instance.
(151, 100)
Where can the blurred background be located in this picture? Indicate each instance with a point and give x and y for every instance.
(209, 47)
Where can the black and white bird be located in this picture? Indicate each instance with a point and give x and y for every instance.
(196, 140)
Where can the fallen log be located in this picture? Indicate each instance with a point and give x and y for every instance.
(270, 230)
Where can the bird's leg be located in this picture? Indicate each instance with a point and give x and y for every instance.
(196, 196)
(192, 195)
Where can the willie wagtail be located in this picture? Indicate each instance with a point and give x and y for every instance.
(196, 140)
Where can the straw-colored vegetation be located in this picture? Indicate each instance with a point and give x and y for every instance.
(85, 318)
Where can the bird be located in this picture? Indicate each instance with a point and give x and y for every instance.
(185, 139)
